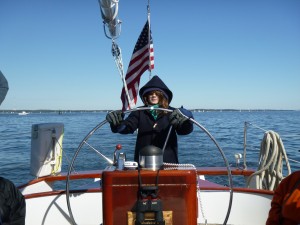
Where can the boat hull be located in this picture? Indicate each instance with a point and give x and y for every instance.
(106, 201)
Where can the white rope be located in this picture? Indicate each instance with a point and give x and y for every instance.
(200, 203)
(272, 153)
(175, 166)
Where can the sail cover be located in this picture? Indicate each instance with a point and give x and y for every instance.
(3, 87)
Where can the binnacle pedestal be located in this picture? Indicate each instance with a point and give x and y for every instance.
(176, 195)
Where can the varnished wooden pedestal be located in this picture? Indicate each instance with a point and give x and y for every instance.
(177, 191)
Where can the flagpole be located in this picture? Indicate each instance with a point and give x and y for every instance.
(149, 39)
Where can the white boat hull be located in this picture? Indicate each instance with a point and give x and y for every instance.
(249, 206)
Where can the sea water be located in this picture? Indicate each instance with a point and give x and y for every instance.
(226, 129)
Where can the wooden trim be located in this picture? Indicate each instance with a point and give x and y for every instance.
(61, 192)
(204, 185)
(63, 176)
(235, 190)
(210, 171)
(223, 171)
(213, 171)
(206, 188)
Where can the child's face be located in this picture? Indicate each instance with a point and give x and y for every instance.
(153, 98)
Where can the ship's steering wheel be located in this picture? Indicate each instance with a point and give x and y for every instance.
(84, 141)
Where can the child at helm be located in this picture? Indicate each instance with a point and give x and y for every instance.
(154, 125)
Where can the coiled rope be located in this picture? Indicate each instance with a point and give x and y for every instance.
(269, 173)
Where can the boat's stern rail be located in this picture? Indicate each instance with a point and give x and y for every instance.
(85, 180)
(223, 171)
(239, 175)
(57, 182)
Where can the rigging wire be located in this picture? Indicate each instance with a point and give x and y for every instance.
(117, 54)
(109, 12)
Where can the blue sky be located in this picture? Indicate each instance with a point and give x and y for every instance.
(220, 54)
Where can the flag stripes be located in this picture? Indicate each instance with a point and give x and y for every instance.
(142, 59)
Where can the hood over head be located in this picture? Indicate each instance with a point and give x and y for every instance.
(156, 84)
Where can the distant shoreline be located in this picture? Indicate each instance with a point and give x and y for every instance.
(6, 111)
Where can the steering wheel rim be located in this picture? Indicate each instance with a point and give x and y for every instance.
(70, 168)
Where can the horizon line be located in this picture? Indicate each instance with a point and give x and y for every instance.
(100, 110)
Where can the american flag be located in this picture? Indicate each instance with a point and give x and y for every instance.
(142, 59)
